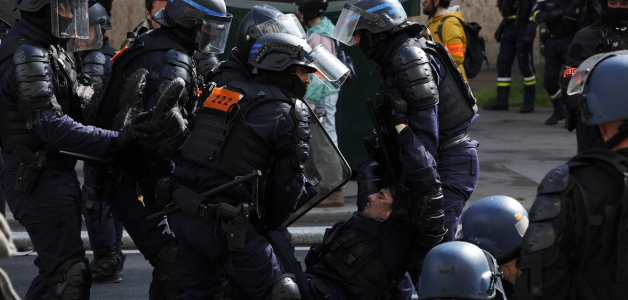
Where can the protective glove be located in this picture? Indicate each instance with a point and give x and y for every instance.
(398, 106)
(131, 134)
(499, 32)
(524, 43)
(428, 217)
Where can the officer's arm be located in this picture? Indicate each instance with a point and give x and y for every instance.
(549, 240)
(282, 127)
(42, 112)
(418, 168)
(455, 40)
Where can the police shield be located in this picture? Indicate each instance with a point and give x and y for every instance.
(325, 169)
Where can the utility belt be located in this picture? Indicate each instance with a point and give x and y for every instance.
(31, 165)
(232, 214)
(455, 140)
(512, 21)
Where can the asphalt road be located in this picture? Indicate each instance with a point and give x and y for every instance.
(134, 284)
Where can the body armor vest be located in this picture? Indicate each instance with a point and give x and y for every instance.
(612, 39)
(351, 257)
(14, 129)
(220, 139)
(456, 102)
(151, 41)
(560, 27)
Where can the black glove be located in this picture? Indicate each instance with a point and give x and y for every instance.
(499, 33)
(524, 43)
(398, 106)
(133, 133)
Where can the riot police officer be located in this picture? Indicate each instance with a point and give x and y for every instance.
(515, 38)
(605, 35)
(260, 20)
(459, 270)
(575, 247)
(437, 108)
(245, 126)
(497, 224)
(40, 100)
(559, 21)
(165, 53)
(105, 230)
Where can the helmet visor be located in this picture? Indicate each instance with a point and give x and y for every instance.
(281, 24)
(579, 79)
(348, 20)
(330, 69)
(94, 41)
(70, 18)
(212, 36)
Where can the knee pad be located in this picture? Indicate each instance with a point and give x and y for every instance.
(284, 288)
(72, 278)
(165, 264)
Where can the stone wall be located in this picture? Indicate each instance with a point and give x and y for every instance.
(125, 15)
(485, 13)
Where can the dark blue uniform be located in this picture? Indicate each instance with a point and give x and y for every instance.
(515, 38)
(106, 230)
(458, 165)
(202, 254)
(150, 237)
(51, 212)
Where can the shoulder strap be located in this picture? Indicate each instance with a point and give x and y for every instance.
(440, 27)
(9, 49)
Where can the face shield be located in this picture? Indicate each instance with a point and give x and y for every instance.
(282, 24)
(331, 71)
(212, 34)
(70, 18)
(94, 41)
(579, 79)
(348, 20)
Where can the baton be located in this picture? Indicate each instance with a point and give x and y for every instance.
(253, 175)
(380, 137)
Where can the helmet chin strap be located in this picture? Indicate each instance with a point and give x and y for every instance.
(622, 133)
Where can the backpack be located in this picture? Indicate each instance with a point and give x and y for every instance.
(475, 54)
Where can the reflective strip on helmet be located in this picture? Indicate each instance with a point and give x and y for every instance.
(202, 8)
(255, 48)
(380, 7)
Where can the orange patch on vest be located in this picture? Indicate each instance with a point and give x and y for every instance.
(222, 99)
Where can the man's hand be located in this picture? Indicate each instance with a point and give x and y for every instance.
(524, 43)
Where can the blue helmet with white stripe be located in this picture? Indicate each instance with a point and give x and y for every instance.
(374, 16)
(208, 18)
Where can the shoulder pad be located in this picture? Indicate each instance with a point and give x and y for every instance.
(30, 53)
(178, 58)
(538, 236)
(545, 207)
(407, 56)
(301, 112)
(555, 181)
(95, 57)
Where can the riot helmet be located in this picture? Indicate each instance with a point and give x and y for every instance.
(616, 16)
(98, 21)
(459, 270)
(65, 18)
(495, 224)
(264, 19)
(601, 80)
(204, 22)
(374, 16)
(311, 8)
(275, 53)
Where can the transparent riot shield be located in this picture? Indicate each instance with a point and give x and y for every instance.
(325, 169)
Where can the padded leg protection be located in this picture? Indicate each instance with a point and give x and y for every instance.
(106, 268)
(72, 279)
(284, 288)
(165, 264)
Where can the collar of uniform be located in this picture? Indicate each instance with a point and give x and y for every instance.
(35, 34)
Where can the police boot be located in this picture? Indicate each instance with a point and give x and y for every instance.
(165, 264)
(106, 267)
(495, 106)
(527, 107)
(284, 288)
(502, 99)
(559, 113)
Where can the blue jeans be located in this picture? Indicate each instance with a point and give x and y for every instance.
(325, 108)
